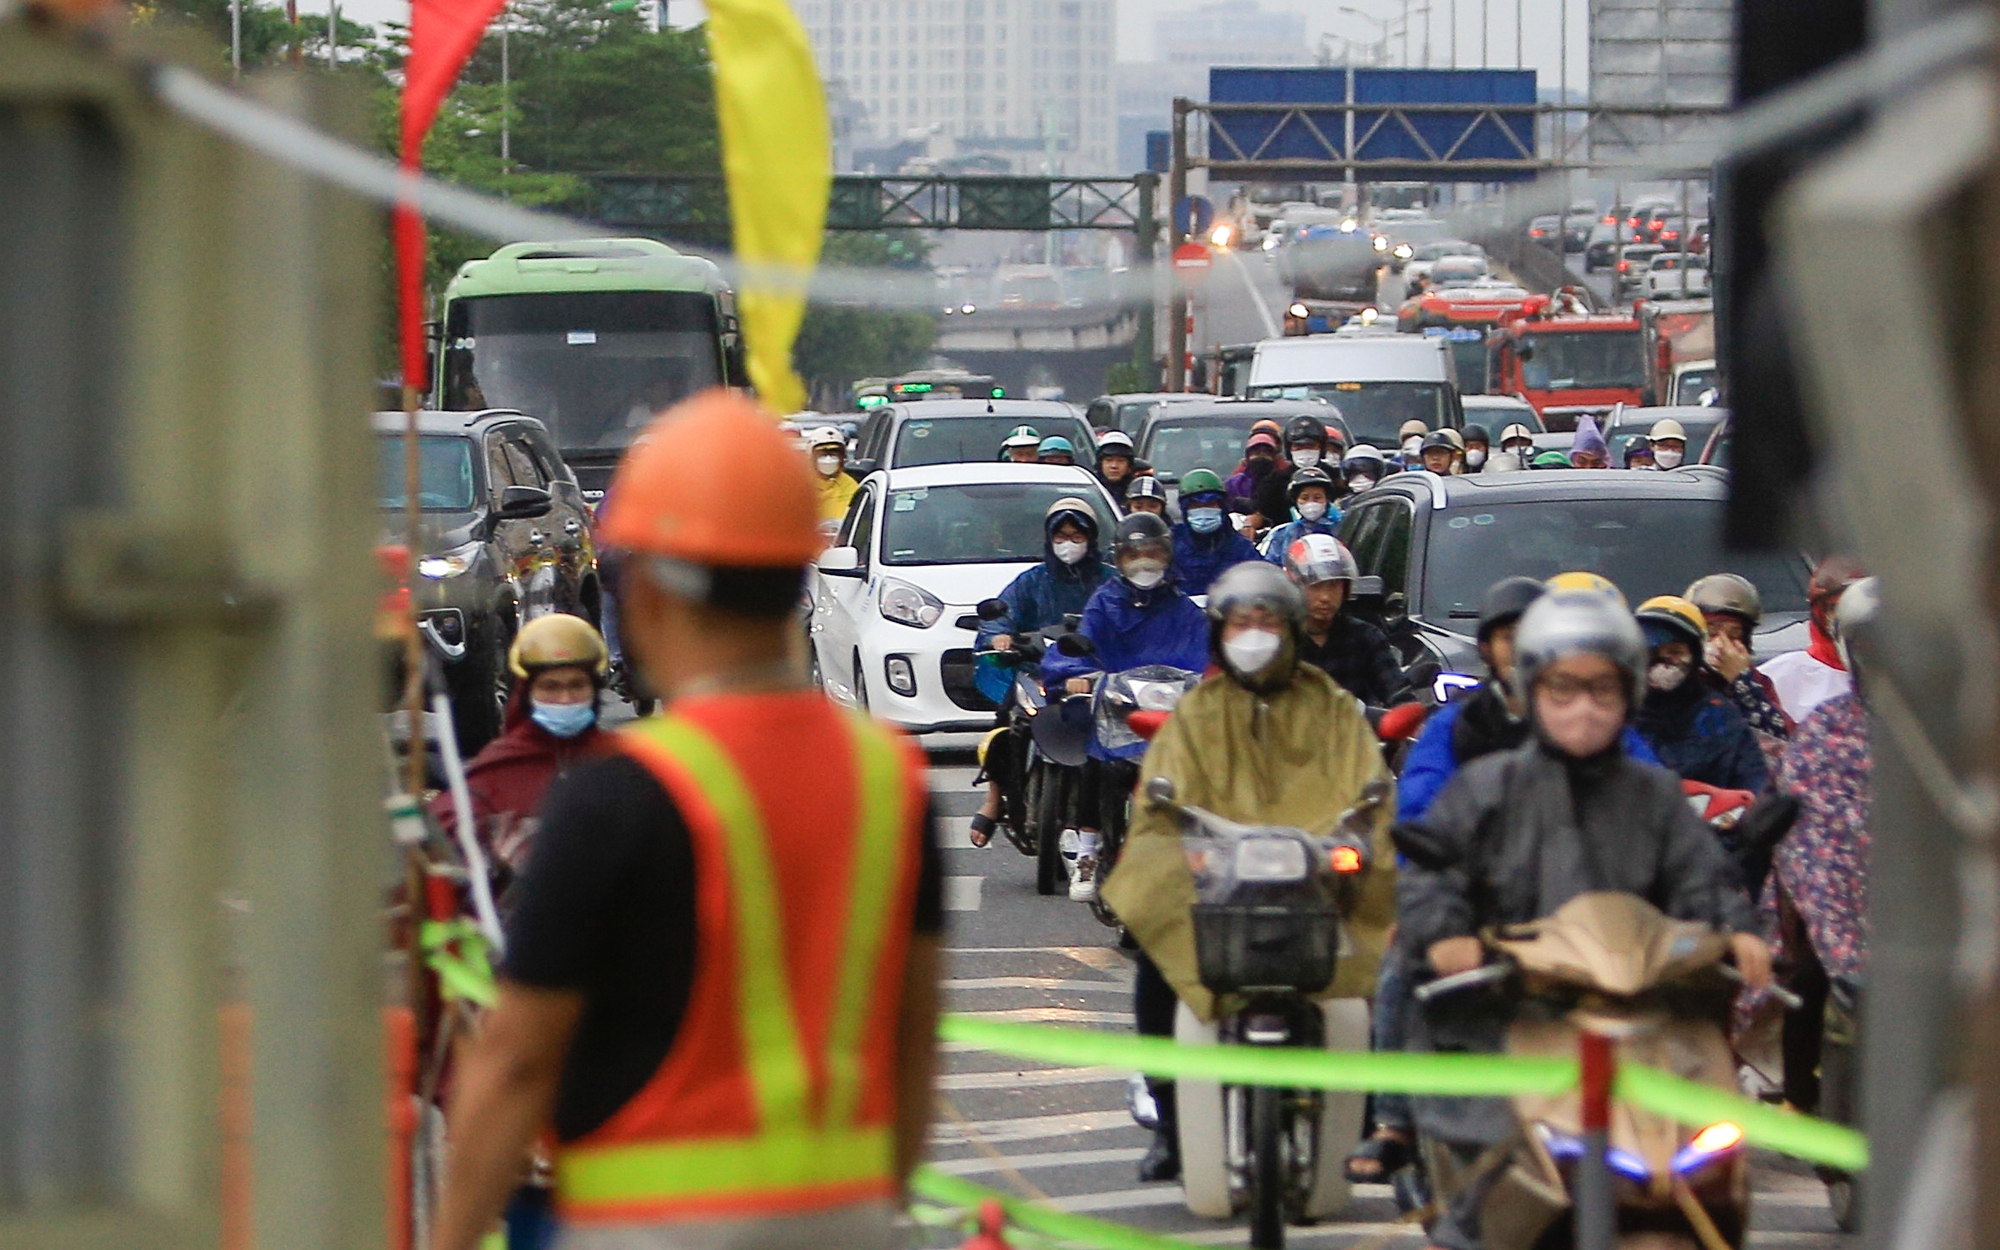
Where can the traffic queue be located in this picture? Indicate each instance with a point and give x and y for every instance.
(1202, 717)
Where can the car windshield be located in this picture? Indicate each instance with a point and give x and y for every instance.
(1646, 547)
(1693, 385)
(1584, 360)
(968, 440)
(444, 472)
(1133, 415)
(1178, 444)
(1374, 410)
(594, 366)
(1447, 247)
(977, 523)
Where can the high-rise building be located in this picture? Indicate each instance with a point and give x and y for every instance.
(1186, 45)
(1028, 81)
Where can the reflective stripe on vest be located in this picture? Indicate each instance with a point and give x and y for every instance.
(789, 1152)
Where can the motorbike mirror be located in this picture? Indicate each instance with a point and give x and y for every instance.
(1072, 619)
(1161, 791)
(1076, 646)
(1366, 588)
(991, 609)
(1424, 672)
(1145, 723)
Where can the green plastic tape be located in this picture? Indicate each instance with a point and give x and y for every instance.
(455, 950)
(1800, 1136)
(1060, 1225)
(1787, 1132)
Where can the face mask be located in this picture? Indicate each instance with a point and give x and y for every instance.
(1312, 511)
(1144, 574)
(1205, 520)
(564, 720)
(1305, 457)
(1413, 446)
(1474, 459)
(1665, 677)
(1360, 483)
(828, 465)
(1070, 553)
(1252, 651)
(1580, 728)
(1667, 459)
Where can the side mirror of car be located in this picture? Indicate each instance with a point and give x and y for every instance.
(524, 503)
(1525, 352)
(840, 562)
(1076, 646)
(991, 609)
(858, 469)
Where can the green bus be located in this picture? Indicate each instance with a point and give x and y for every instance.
(593, 336)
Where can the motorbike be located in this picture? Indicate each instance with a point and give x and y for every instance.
(1269, 916)
(1840, 1090)
(1044, 752)
(1661, 989)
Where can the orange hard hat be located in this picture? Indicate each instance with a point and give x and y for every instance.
(680, 491)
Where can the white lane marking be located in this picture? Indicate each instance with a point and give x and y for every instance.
(962, 893)
(1064, 1015)
(1018, 1079)
(952, 777)
(1034, 983)
(1123, 1200)
(1046, 1159)
(1031, 1127)
(1240, 1235)
(1263, 313)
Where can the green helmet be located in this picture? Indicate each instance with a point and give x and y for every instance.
(1200, 482)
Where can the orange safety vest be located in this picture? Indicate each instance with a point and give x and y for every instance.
(778, 1093)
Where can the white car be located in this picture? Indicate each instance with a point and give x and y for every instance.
(894, 601)
(1675, 275)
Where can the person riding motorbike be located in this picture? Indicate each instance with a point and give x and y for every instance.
(1805, 679)
(1518, 833)
(1587, 449)
(1305, 445)
(1204, 545)
(1668, 439)
(1438, 453)
(1140, 617)
(1265, 738)
(1070, 572)
(1310, 496)
(1639, 455)
(1146, 494)
(1478, 445)
(1695, 730)
(1732, 608)
(1362, 467)
(1410, 438)
(1520, 440)
(836, 485)
(1346, 648)
(1055, 449)
(1261, 463)
(1116, 464)
(1021, 445)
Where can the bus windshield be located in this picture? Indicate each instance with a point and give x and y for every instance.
(1584, 360)
(595, 366)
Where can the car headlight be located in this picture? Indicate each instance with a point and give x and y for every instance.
(909, 605)
(1381, 243)
(449, 563)
(1404, 251)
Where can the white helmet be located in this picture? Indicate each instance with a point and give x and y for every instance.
(1857, 609)
(1514, 431)
(826, 436)
(1580, 622)
(1318, 558)
(1667, 428)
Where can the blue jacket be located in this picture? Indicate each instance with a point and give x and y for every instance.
(1432, 761)
(1043, 595)
(1200, 558)
(1130, 628)
(1291, 531)
(1700, 734)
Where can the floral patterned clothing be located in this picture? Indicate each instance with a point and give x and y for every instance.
(1822, 864)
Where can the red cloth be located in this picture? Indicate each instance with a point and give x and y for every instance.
(508, 778)
(1821, 647)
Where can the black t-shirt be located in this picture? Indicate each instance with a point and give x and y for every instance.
(607, 908)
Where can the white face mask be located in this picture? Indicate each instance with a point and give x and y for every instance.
(1668, 459)
(1252, 651)
(1360, 483)
(1665, 677)
(1413, 445)
(1305, 457)
(828, 465)
(1069, 553)
(1474, 459)
(1144, 574)
(1312, 510)
(1582, 727)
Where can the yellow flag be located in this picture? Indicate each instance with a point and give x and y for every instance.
(777, 158)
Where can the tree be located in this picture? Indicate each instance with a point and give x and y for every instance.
(840, 343)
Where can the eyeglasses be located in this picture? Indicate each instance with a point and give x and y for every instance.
(1563, 689)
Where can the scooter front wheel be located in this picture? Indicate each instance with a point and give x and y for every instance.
(1042, 800)
(1267, 1168)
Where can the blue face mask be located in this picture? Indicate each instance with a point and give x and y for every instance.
(1205, 520)
(564, 720)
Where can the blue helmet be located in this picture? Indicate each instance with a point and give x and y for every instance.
(1056, 442)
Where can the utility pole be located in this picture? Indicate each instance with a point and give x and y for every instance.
(1406, 34)
(1427, 36)
(506, 96)
(1519, 59)
(236, 37)
(1485, 33)
(332, 33)
(1454, 34)
(1177, 295)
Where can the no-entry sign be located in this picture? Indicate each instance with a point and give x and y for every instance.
(1192, 262)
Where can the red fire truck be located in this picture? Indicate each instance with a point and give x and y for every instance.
(1567, 361)
(1466, 316)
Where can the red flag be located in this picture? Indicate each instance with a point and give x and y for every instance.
(443, 34)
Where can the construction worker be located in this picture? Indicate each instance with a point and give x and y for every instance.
(720, 995)
(836, 487)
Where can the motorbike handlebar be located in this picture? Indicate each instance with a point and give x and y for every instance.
(1476, 978)
(1779, 992)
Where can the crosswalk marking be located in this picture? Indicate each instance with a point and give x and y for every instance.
(1053, 1015)
(1015, 1079)
(962, 893)
(1032, 983)
(1031, 1127)
(1045, 1159)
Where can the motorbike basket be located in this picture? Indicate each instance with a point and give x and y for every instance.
(1265, 947)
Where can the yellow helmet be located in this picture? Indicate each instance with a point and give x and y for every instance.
(987, 741)
(558, 641)
(1582, 580)
(1677, 616)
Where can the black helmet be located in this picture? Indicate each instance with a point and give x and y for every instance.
(1139, 529)
(1477, 434)
(1302, 478)
(1438, 439)
(1505, 601)
(1146, 486)
(1256, 583)
(1076, 511)
(1304, 429)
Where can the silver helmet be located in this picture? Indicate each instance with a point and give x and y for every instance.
(1729, 594)
(1563, 623)
(1256, 583)
(1318, 558)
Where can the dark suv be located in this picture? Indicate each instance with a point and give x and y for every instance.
(1437, 543)
(506, 537)
(960, 431)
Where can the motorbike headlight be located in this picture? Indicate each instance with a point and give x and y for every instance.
(909, 605)
(1156, 696)
(1718, 1141)
(1270, 859)
(449, 563)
